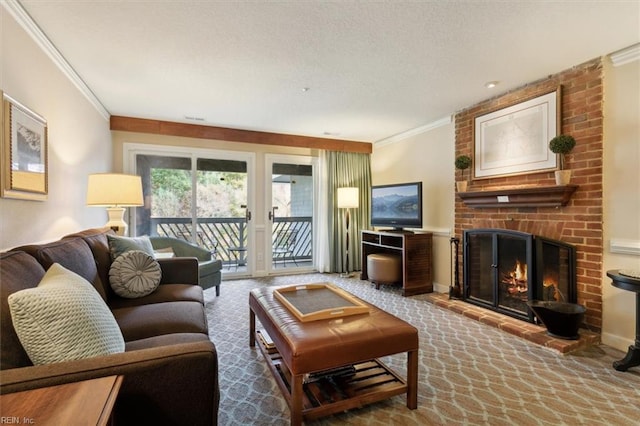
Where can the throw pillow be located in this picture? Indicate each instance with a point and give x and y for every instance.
(134, 274)
(64, 319)
(119, 245)
(164, 253)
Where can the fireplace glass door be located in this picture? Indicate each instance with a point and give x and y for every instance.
(514, 277)
(497, 271)
(556, 271)
(480, 276)
(504, 269)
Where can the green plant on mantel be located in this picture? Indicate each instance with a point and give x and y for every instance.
(462, 163)
(562, 144)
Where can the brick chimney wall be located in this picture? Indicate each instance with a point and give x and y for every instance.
(580, 221)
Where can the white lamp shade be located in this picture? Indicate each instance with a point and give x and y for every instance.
(114, 190)
(348, 198)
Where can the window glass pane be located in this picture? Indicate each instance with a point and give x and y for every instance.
(292, 203)
(166, 184)
(221, 209)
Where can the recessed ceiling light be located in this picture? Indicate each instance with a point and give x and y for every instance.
(306, 89)
(491, 84)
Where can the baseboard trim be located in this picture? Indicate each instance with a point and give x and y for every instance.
(440, 288)
(616, 341)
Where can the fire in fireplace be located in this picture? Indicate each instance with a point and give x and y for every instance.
(503, 270)
(515, 282)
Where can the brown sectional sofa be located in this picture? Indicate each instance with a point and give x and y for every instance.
(170, 366)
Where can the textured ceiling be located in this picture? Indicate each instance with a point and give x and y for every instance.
(372, 69)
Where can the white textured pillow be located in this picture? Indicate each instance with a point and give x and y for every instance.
(164, 253)
(64, 319)
(134, 274)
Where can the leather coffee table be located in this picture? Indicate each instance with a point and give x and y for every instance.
(301, 352)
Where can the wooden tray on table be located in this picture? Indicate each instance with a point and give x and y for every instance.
(312, 302)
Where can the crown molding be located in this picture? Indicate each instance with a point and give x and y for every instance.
(626, 55)
(413, 132)
(27, 23)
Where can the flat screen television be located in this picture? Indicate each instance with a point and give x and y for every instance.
(398, 206)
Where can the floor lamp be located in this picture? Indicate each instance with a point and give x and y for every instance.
(347, 199)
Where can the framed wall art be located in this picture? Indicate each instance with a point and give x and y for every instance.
(514, 140)
(23, 138)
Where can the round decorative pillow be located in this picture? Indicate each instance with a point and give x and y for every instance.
(134, 274)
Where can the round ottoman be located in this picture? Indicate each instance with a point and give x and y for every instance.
(384, 268)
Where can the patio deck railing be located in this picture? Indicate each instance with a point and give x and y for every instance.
(222, 235)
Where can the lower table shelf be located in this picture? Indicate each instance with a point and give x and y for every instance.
(370, 381)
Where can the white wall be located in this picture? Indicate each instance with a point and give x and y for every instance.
(426, 157)
(621, 196)
(79, 142)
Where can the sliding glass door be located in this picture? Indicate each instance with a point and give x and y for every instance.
(291, 196)
(222, 211)
(202, 197)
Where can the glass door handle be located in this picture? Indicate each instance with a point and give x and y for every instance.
(272, 213)
(247, 212)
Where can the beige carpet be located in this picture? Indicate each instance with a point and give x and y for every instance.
(469, 373)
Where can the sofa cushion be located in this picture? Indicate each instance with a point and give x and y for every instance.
(141, 322)
(96, 239)
(164, 293)
(164, 253)
(209, 267)
(64, 319)
(180, 247)
(72, 253)
(18, 271)
(134, 274)
(165, 340)
(119, 245)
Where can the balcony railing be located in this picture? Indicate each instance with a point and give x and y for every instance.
(222, 235)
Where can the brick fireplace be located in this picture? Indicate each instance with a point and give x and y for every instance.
(579, 222)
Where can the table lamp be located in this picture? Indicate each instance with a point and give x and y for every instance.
(348, 198)
(115, 191)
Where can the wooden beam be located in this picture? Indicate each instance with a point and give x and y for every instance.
(167, 128)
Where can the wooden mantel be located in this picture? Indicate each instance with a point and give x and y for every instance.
(538, 196)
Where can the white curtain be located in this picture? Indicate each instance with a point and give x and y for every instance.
(323, 255)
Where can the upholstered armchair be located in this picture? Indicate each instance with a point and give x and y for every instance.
(209, 269)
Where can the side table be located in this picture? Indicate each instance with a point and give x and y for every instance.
(626, 282)
(88, 402)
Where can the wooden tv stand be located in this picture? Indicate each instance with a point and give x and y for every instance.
(415, 250)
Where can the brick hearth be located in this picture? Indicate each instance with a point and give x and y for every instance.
(531, 332)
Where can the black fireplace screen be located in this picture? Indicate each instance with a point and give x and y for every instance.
(505, 269)
(557, 270)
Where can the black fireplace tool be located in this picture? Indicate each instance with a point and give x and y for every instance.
(455, 291)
